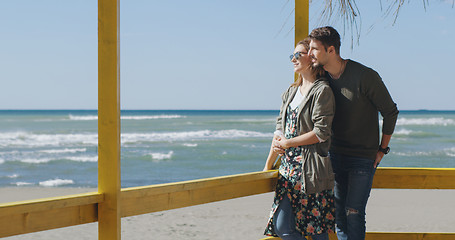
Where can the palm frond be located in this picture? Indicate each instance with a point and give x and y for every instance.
(348, 12)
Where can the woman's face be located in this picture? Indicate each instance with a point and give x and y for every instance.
(303, 62)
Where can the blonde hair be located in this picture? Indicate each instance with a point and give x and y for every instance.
(318, 71)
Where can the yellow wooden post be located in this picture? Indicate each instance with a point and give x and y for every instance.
(302, 14)
(109, 119)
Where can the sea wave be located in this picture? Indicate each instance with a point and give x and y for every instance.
(9, 152)
(450, 151)
(151, 117)
(56, 182)
(249, 120)
(70, 158)
(37, 161)
(26, 139)
(22, 184)
(439, 121)
(405, 133)
(192, 135)
(66, 150)
(142, 117)
(42, 140)
(162, 156)
(83, 159)
(83, 118)
(447, 152)
(190, 144)
(1, 161)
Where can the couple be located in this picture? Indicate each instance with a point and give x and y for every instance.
(326, 178)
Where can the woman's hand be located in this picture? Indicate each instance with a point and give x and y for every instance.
(279, 145)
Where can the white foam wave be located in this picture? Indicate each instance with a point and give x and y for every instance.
(190, 144)
(403, 132)
(66, 150)
(46, 160)
(24, 139)
(22, 184)
(447, 152)
(13, 176)
(83, 118)
(252, 120)
(83, 159)
(191, 135)
(440, 121)
(9, 152)
(162, 156)
(143, 117)
(2, 161)
(151, 117)
(37, 161)
(43, 140)
(450, 152)
(56, 182)
(413, 154)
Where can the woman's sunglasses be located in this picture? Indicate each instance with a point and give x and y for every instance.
(295, 55)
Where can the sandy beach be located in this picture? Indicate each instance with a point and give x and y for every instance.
(389, 210)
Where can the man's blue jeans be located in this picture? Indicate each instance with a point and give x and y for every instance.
(353, 181)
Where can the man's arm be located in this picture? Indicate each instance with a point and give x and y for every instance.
(384, 143)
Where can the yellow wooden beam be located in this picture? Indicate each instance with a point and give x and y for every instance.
(140, 200)
(109, 119)
(36, 215)
(48, 213)
(415, 178)
(302, 14)
(301, 22)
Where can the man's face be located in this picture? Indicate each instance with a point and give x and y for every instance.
(318, 53)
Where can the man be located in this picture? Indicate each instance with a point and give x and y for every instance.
(356, 151)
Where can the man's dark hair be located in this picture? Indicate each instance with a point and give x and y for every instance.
(328, 36)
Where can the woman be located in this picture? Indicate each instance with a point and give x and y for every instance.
(303, 204)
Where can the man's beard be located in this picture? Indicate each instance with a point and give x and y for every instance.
(317, 64)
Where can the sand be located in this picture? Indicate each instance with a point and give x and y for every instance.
(389, 210)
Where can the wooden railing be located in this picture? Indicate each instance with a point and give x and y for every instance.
(50, 213)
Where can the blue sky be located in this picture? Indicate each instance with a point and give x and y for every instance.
(211, 54)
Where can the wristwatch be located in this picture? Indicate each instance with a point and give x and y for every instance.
(384, 150)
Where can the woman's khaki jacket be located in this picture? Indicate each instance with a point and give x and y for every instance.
(315, 114)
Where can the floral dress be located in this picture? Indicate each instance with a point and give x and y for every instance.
(314, 213)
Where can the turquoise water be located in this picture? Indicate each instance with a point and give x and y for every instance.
(59, 148)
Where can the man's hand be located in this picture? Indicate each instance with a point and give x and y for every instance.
(378, 159)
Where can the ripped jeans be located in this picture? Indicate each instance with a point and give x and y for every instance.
(353, 180)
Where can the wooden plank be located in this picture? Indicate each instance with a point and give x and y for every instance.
(109, 119)
(46, 219)
(44, 204)
(414, 178)
(176, 195)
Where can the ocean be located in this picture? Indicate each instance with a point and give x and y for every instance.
(58, 148)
